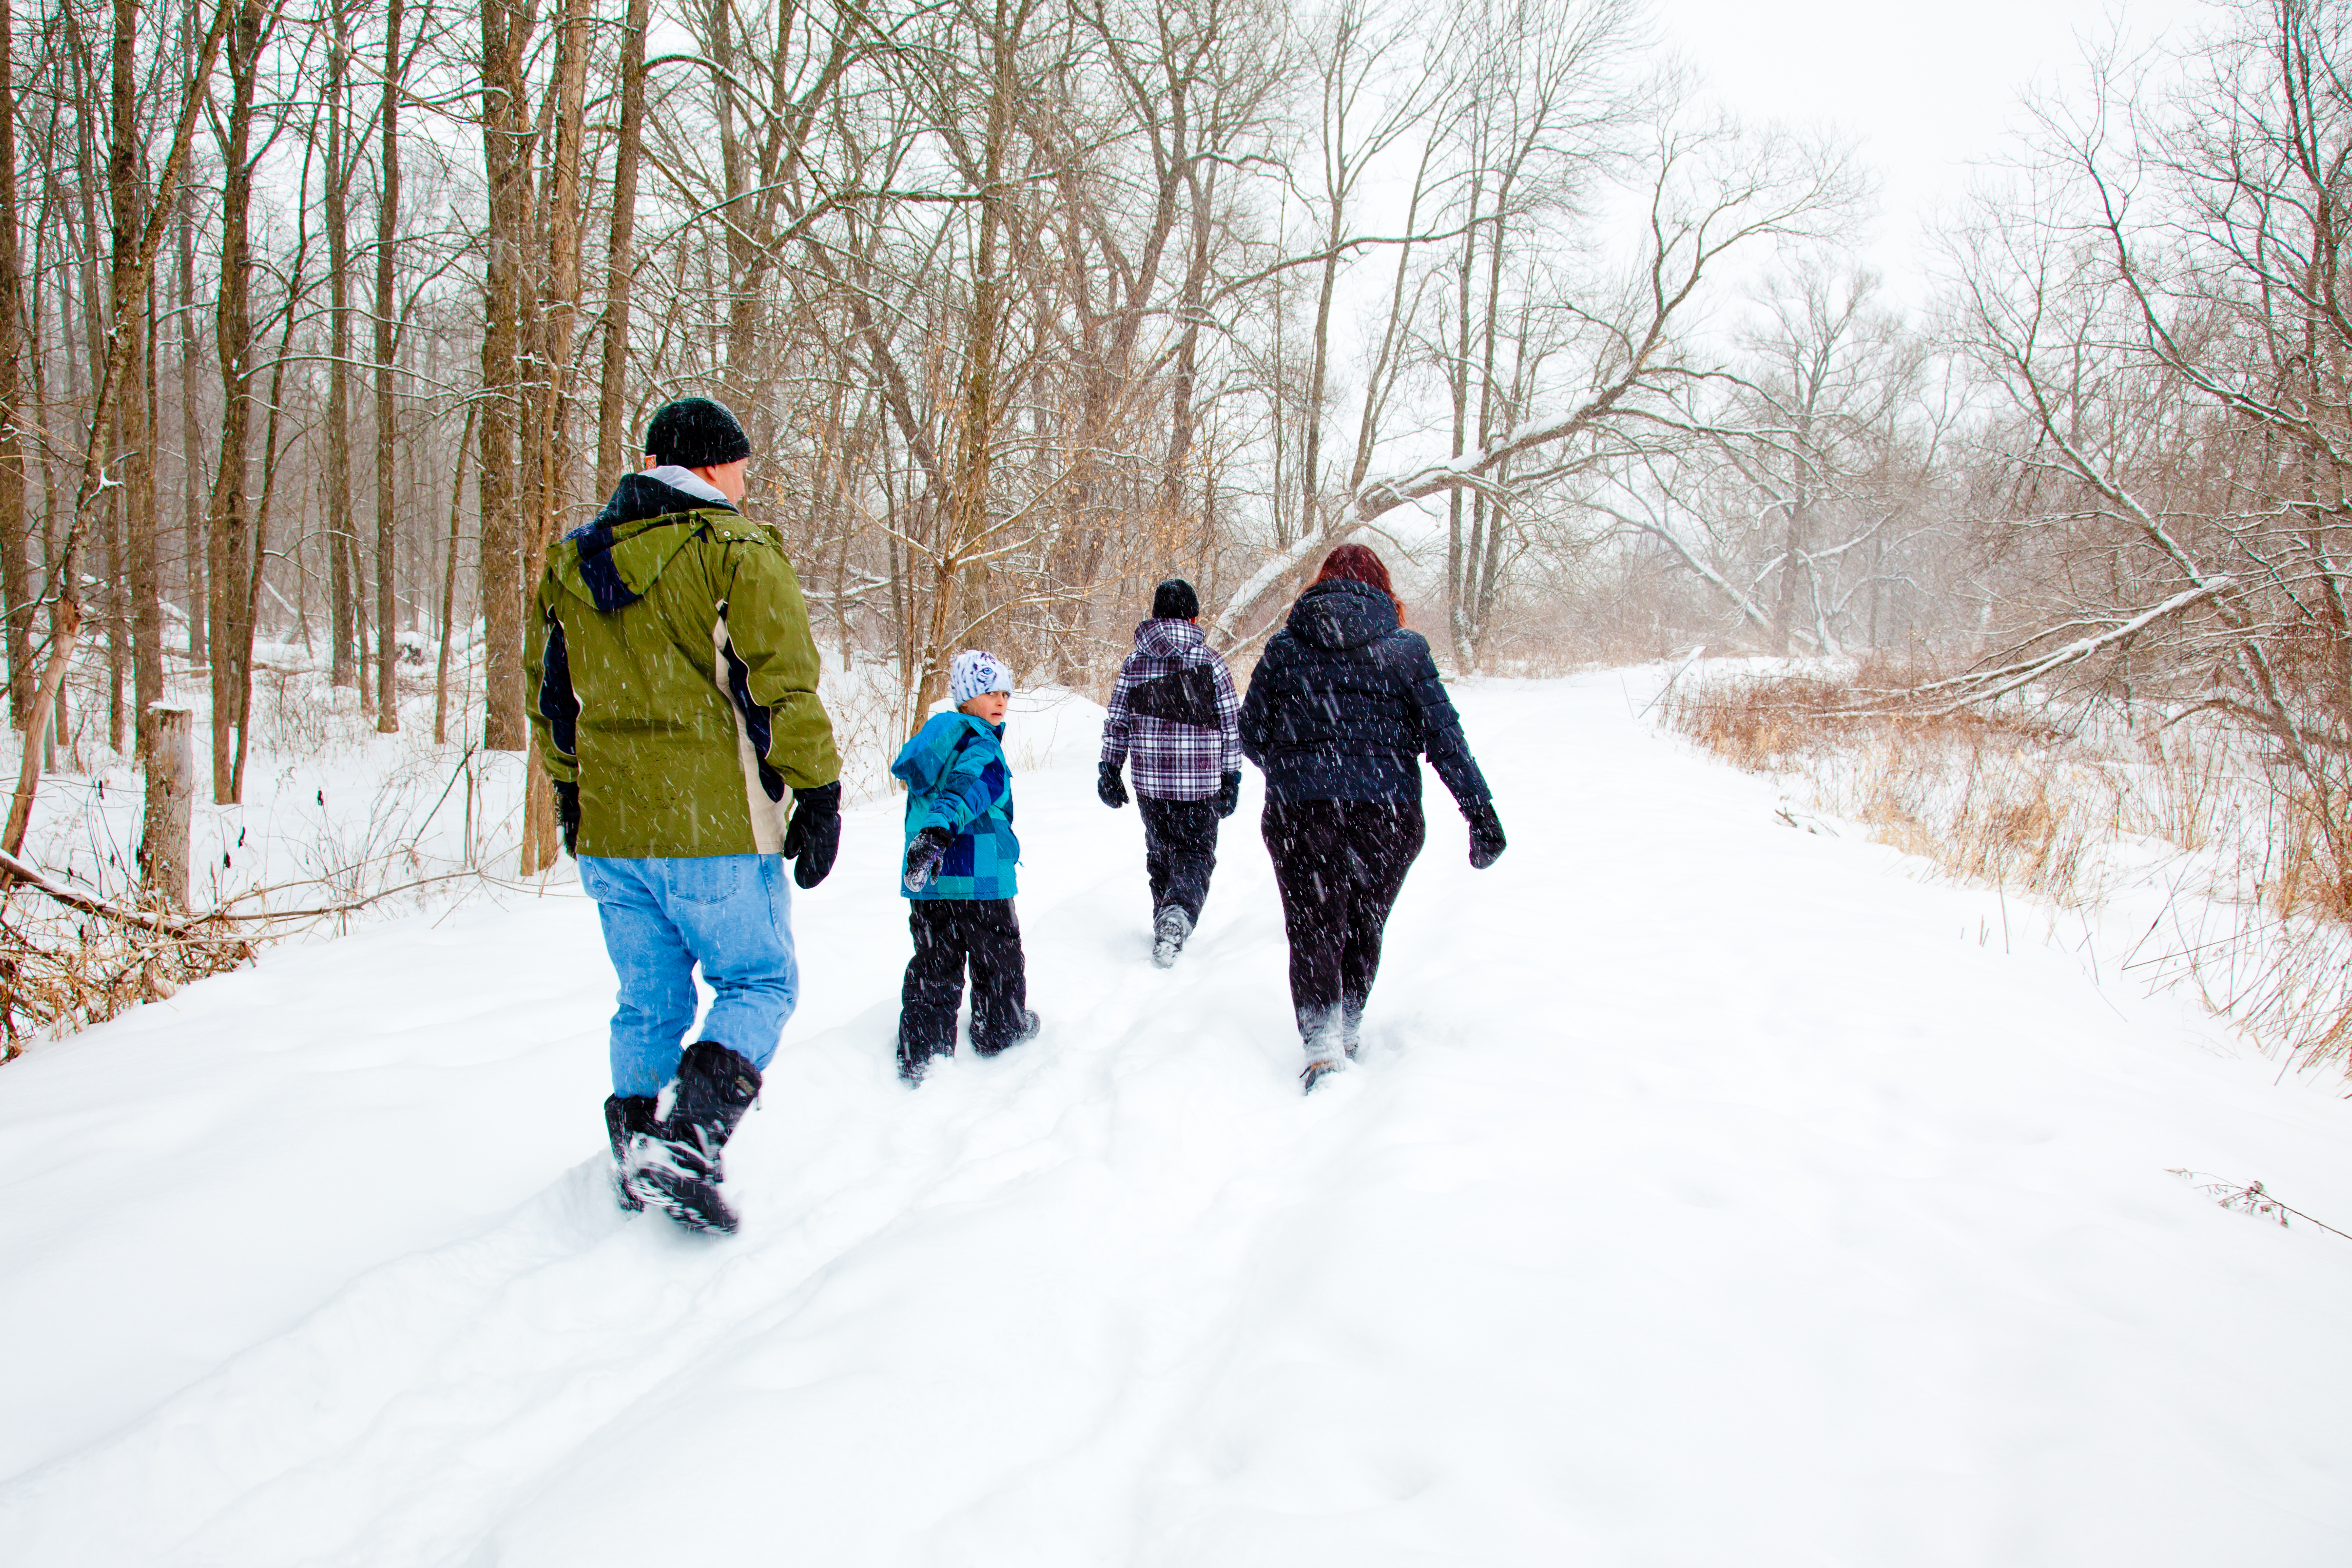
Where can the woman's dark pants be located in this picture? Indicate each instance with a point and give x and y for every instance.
(1340, 864)
(1180, 850)
(949, 935)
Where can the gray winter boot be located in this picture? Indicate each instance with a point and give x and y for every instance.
(1323, 1032)
(1171, 927)
(1351, 1024)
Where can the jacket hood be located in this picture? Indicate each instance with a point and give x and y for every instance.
(618, 558)
(923, 761)
(1169, 638)
(1342, 615)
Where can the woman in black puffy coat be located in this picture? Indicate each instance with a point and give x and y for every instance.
(1342, 707)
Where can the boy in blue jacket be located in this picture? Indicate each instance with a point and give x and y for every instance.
(959, 874)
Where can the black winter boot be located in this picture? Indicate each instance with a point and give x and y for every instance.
(629, 1124)
(1027, 1029)
(682, 1174)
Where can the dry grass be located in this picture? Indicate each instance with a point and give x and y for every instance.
(2255, 908)
(1993, 799)
(61, 970)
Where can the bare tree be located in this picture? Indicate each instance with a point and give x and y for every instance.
(506, 33)
(232, 519)
(387, 272)
(15, 565)
(342, 535)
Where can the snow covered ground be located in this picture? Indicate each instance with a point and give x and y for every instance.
(1711, 1193)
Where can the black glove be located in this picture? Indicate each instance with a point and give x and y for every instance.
(567, 816)
(1486, 840)
(1107, 785)
(923, 857)
(1229, 794)
(814, 836)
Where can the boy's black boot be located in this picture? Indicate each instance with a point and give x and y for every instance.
(1024, 1027)
(916, 1053)
(682, 1174)
(629, 1124)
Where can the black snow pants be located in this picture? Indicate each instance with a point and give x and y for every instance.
(1180, 850)
(1341, 864)
(950, 935)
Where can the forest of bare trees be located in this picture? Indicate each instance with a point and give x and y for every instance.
(323, 321)
(336, 316)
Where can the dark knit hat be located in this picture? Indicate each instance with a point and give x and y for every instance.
(1175, 601)
(696, 433)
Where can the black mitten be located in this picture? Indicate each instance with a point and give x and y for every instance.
(923, 857)
(1486, 840)
(814, 836)
(1229, 793)
(567, 816)
(1107, 785)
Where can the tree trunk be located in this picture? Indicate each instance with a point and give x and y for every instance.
(128, 290)
(449, 588)
(540, 847)
(65, 624)
(612, 403)
(1457, 378)
(387, 230)
(191, 466)
(231, 517)
(16, 563)
(504, 34)
(341, 537)
(259, 552)
(968, 515)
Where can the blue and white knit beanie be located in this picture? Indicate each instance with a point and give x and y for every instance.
(974, 673)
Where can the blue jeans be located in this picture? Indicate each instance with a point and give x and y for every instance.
(729, 914)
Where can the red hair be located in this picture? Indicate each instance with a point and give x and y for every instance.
(1356, 563)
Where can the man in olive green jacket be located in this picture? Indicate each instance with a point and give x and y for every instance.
(674, 701)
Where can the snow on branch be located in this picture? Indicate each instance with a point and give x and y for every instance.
(1469, 470)
(1264, 580)
(196, 926)
(1986, 685)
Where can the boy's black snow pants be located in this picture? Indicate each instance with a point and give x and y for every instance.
(1341, 864)
(1180, 850)
(950, 935)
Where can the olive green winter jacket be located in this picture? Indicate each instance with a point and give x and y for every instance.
(672, 674)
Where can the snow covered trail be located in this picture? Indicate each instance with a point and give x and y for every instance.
(1709, 1193)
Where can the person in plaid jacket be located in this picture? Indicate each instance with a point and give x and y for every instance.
(1174, 715)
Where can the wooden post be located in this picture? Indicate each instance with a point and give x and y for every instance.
(171, 792)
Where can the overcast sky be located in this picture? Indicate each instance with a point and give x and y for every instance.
(1925, 91)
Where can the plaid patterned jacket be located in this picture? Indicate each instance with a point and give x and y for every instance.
(1173, 714)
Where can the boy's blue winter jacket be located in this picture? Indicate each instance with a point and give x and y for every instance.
(956, 778)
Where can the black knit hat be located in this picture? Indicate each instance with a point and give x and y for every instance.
(1175, 601)
(696, 433)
